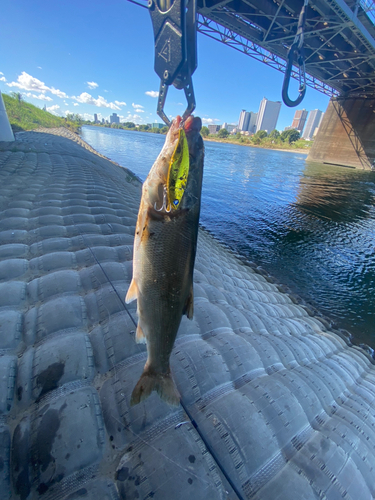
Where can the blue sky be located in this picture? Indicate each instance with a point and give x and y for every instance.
(91, 57)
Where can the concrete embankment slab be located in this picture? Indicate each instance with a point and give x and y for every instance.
(281, 406)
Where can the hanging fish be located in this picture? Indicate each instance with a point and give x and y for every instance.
(164, 253)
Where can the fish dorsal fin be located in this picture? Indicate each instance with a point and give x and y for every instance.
(132, 292)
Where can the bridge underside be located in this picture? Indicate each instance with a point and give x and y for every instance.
(339, 47)
(339, 38)
(347, 134)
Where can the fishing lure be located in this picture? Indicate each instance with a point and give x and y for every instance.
(178, 171)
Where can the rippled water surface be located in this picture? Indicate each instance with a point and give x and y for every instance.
(310, 226)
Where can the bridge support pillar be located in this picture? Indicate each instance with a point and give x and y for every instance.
(347, 134)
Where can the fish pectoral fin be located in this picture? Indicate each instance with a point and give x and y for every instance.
(189, 306)
(132, 292)
(163, 384)
(140, 337)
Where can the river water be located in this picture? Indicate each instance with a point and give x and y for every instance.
(312, 227)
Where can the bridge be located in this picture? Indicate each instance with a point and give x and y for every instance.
(339, 38)
(339, 47)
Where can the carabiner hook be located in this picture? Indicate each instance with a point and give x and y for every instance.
(302, 77)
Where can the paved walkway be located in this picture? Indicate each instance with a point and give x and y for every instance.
(281, 406)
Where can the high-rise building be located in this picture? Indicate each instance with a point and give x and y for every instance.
(267, 115)
(95, 118)
(312, 123)
(252, 122)
(299, 119)
(243, 121)
(114, 118)
(247, 121)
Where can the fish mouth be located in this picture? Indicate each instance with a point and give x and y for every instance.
(192, 123)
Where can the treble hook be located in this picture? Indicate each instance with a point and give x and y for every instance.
(164, 206)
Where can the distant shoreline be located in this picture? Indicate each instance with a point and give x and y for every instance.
(296, 150)
(211, 139)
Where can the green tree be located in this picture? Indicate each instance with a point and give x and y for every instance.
(274, 134)
(129, 125)
(143, 128)
(155, 130)
(261, 134)
(164, 130)
(294, 135)
(223, 133)
(291, 135)
(205, 132)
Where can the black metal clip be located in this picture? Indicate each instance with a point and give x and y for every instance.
(297, 47)
(175, 34)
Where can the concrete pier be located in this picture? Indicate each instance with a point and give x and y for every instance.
(280, 407)
(346, 135)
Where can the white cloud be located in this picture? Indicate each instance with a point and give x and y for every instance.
(3, 79)
(132, 118)
(76, 104)
(139, 111)
(100, 102)
(28, 82)
(41, 97)
(92, 85)
(39, 67)
(54, 109)
(120, 103)
(209, 121)
(57, 92)
(137, 106)
(152, 93)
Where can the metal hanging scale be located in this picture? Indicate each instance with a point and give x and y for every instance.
(175, 35)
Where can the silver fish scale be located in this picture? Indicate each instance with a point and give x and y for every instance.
(279, 402)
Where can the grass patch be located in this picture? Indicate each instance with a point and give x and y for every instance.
(25, 116)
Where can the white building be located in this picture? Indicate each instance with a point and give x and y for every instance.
(312, 123)
(229, 127)
(247, 121)
(267, 115)
(243, 121)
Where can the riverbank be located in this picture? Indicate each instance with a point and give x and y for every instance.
(258, 146)
(267, 390)
(24, 116)
(243, 141)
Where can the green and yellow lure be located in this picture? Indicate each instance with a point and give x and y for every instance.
(178, 171)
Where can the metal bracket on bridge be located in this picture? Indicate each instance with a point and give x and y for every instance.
(175, 34)
(297, 47)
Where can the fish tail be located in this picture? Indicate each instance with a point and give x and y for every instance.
(163, 384)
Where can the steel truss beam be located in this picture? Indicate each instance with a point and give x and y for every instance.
(230, 38)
